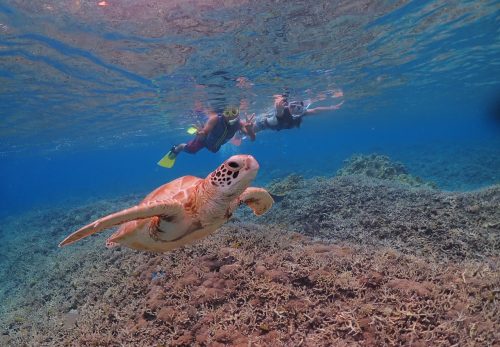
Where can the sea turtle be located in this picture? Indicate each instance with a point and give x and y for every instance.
(184, 210)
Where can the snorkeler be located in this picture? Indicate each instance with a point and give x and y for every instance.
(218, 129)
(288, 115)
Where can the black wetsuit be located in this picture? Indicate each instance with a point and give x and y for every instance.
(219, 135)
(286, 121)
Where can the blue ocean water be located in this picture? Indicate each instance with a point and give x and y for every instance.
(94, 93)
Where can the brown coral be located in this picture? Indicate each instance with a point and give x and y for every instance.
(270, 292)
(422, 273)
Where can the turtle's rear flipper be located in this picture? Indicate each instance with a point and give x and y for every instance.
(258, 199)
(146, 210)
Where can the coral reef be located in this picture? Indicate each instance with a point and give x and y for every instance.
(258, 285)
(283, 186)
(349, 260)
(380, 166)
(383, 213)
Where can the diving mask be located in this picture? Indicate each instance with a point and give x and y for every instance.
(231, 114)
(296, 107)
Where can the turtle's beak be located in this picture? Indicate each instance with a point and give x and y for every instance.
(251, 163)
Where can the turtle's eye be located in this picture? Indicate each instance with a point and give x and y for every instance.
(233, 164)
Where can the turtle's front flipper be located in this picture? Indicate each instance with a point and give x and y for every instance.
(144, 210)
(258, 199)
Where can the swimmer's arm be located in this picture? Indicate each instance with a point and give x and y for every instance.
(209, 125)
(320, 109)
(279, 105)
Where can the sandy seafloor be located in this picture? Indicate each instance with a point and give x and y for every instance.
(371, 256)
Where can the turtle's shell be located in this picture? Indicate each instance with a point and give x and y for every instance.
(139, 234)
(180, 189)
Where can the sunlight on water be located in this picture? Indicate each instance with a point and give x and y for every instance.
(84, 69)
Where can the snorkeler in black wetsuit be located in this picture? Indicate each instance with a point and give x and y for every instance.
(218, 129)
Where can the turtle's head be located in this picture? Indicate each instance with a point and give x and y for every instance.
(234, 175)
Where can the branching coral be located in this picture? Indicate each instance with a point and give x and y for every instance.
(380, 166)
(273, 289)
(368, 262)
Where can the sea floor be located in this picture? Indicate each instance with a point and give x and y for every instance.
(344, 261)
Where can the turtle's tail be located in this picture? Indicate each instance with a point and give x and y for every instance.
(146, 210)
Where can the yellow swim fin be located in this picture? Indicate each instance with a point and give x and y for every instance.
(168, 160)
(192, 130)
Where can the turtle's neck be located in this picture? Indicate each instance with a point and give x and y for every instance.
(217, 201)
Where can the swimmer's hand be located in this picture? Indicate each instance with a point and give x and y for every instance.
(339, 105)
(249, 120)
(200, 131)
(248, 126)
